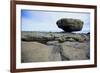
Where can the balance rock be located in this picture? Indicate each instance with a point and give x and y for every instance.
(69, 24)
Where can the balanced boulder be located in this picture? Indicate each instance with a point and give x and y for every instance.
(69, 24)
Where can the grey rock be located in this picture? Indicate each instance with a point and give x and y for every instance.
(35, 52)
(47, 46)
(44, 37)
(56, 56)
(69, 24)
(35, 36)
(79, 45)
(71, 40)
(71, 53)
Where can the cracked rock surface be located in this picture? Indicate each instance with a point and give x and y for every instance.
(53, 46)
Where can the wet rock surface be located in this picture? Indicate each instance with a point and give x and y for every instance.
(54, 46)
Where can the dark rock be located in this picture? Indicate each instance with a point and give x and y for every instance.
(70, 25)
(52, 42)
(88, 33)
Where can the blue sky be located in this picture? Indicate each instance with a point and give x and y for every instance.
(32, 20)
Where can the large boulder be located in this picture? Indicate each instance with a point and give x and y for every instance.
(35, 52)
(71, 53)
(37, 36)
(69, 24)
(85, 46)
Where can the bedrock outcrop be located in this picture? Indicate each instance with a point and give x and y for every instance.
(47, 46)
